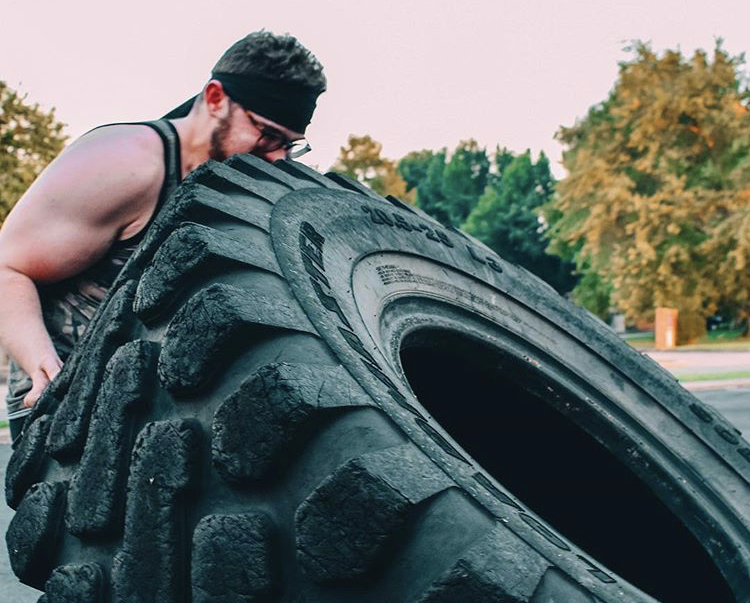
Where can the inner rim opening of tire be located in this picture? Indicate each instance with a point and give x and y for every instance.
(529, 433)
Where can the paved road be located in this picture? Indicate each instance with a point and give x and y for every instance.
(11, 590)
(734, 403)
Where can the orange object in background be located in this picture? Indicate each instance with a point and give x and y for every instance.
(665, 329)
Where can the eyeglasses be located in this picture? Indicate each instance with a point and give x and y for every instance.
(272, 140)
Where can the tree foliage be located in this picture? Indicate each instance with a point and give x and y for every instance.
(430, 195)
(361, 159)
(464, 180)
(656, 204)
(507, 218)
(29, 139)
(413, 167)
(447, 189)
(496, 198)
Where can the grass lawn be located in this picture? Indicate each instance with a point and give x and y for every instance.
(724, 340)
(714, 376)
(3, 423)
(642, 341)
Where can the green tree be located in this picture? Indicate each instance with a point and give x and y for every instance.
(29, 139)
(501, 160)
(593, 292)
(361, 159)
(413, 167)
(430, 196)
(447, 189)
(657, 196)
(507, 217)
(464, 180)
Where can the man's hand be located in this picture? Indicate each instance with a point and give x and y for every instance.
(41, 377)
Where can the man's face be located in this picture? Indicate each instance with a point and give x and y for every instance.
(218, 148)
(238, 132)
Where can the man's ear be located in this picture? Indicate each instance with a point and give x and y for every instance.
(216, 98)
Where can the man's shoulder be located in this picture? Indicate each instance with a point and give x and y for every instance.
(131, 154)
(102, 187)
(137, 141)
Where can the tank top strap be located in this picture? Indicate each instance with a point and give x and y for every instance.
(172, 171)
(172, 157)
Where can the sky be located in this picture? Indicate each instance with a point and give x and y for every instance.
(419, 74)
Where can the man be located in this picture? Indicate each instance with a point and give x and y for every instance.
(67, 238)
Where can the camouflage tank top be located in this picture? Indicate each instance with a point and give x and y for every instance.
(68, 306)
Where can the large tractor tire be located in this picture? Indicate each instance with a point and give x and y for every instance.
(298, 391)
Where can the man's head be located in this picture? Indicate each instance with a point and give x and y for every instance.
(261, 97)
(282, 58)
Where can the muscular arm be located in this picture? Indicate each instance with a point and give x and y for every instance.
(95, 192)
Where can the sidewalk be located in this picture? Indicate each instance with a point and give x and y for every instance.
(705, 370)
(687, 361)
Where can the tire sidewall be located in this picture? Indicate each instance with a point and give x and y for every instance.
(334, 248)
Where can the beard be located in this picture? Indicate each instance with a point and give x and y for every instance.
(217, 150)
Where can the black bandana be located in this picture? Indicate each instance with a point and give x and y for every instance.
(288, 104)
